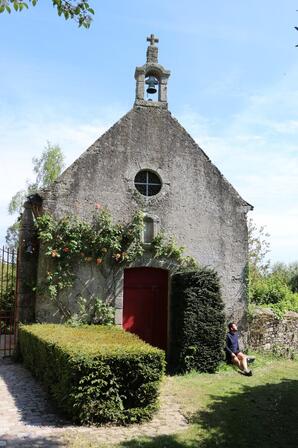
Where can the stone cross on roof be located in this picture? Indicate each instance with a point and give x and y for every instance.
(152, 50)
(152, 39)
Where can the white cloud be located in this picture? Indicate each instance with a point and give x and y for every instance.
(257, 151)
(19, 147)
(286, 127)
(23, 137)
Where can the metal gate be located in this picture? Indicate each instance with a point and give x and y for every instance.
(8, 281)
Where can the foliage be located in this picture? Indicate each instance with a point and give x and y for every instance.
(289, 303)
(287, 273)
(94, 374)
(166, 248)
(197, 327)
(294, 283)
(276, 288)
(47, 168)
(258, 248)
(7, 299)
(70, 236)
(274, 291)
(70, 241)
(80, 11)
(12, 235)
(268, 290)
(108, 245)
(7, 280)
(95, 311)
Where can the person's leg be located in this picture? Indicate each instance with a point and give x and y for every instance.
(243, 362)
(236, 362)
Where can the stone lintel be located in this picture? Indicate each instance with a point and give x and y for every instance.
(144, 103)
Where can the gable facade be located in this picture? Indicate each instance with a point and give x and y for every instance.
(196, 204)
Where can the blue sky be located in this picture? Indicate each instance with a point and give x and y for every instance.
(234, 87)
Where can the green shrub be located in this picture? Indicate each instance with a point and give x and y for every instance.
(95, 374)
(293, 283)
(7, 299)
(272, 291)
(287, 273)
(92, 311)
(267, 290)
(197, 326)
(289, 303)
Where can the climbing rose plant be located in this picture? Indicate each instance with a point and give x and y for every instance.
(69, 241)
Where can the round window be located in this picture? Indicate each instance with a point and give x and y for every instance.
(147, 183)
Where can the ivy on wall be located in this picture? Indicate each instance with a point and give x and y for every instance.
(107, 245)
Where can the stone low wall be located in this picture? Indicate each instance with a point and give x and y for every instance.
(268, 333)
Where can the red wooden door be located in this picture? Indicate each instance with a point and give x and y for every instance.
(145, 304)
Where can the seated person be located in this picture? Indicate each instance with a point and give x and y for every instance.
(233, 353)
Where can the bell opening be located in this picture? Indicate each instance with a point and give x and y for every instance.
(152, 90)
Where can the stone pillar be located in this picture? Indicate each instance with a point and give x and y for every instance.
(152, 54)
(140, 83)
(163, 89)
(27, 267)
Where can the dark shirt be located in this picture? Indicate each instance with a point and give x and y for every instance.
(232, 344)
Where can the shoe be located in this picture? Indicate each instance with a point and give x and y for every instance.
(248, 373)
(250, 359)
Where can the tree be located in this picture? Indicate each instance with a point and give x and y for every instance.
(47, 168)
(80, 11)
(288, 274)
(258, 248)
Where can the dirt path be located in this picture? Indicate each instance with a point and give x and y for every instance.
(28, 421)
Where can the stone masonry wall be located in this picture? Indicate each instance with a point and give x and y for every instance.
(267, 332)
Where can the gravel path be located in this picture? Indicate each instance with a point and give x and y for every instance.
(27, 419)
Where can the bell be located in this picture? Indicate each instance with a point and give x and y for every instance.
(152, 82)
(29, 249)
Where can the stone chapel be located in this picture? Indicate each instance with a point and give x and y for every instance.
(148, 161)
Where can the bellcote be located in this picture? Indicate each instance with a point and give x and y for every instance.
(151, 79)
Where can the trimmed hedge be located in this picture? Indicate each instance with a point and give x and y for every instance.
(94, 374)
(197, 321)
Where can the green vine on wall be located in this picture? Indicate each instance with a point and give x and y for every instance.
(69, 241)
(167, 248)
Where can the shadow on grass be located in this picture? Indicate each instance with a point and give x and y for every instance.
(159, 442)
(34, 442)
(263, 416)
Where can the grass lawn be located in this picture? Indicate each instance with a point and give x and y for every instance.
(228, 409)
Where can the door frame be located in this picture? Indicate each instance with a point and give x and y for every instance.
(119, 301)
